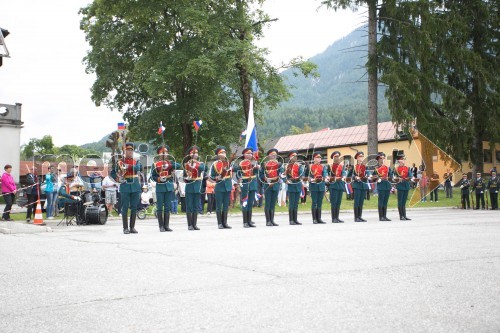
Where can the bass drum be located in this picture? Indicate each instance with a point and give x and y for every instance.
(96, 214)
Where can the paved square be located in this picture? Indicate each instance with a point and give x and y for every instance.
(439, 272)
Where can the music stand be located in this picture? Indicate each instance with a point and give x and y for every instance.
(70, 213)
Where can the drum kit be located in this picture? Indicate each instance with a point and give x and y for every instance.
(89, 210)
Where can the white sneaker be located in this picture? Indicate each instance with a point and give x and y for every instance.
(119, 215)
(50, 218)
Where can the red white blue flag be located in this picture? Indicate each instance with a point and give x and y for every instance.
(348, 188)
(244, 201)
(161, 129)
(121, 126)
(197, 124)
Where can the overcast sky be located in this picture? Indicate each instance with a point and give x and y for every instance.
(45, 72)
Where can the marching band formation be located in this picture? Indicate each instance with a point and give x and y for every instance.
(338, 177)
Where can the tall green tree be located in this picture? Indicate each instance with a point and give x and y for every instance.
(43, 146)
(371, 66)
(439, 60)
(179, 61)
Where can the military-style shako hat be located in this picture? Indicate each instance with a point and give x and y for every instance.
(400, 157)
(359, 153)
(70, 175)
(380, 155)
(129, 145)
(219, 149)
(193, 149)
(493, 171)
(464, 175)
(247, 150)
(316, 155)
(292, 153)
(162, 148)
(336, 152)
(272, 150)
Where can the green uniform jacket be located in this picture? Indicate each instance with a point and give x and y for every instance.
(168, 185)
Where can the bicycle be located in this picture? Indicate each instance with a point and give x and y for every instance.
(150, 210)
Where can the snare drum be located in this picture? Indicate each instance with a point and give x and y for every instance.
(86, 198)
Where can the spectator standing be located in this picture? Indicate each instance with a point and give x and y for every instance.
(210, 196)
(448, 178)
(182, 195)
(33, 184)
(50, 192)
(9, 190)
(434, 187)
(110, 193)
(424, 186)
(175, 200)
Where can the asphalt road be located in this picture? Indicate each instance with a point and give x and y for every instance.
(439, 272)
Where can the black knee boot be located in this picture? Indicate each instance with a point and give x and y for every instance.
(166, 221)
(295, 217)
(268, 218)
(249, 219)
(318, 216)
(224, 220)
(132, 224)
(125, 224)
(384, 210)
(160, 221)
(337, 211)
(245, 219)
(190, 221)
(404, 214)
(356, 217)
(219, 219)
(271, 214)
(360, 213)
(290, 217)
(194, 221)
(313, 213)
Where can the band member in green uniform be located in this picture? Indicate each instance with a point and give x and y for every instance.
(402, 175)
(358, 179)
(464, 188)
(317, 174)
(479, 186)
(63, 193)
(126, 173)
(337, 186)
(493, 186)
(221, 173)
(163, 174)
(269, 175)
(246, 172)
(193, 177)
(294, 173)
(382, 173)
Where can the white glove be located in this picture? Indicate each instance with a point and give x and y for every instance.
(461, 186)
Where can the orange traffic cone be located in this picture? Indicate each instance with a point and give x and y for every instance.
(38, 214)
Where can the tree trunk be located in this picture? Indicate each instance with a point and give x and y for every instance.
(372, 79)
(187, 136)
(244, 89)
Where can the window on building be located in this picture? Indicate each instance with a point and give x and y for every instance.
(498, 156)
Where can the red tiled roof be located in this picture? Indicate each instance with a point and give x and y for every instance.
(335, 138)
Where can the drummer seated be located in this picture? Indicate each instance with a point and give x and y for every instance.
(64, 195)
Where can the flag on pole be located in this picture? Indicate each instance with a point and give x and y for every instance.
(197, 124)
(121, 126)
(257, 196)
(251, 133)
(302, 191)
(161, 129)
(243, 135)
(348, 188)
(244, 201)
